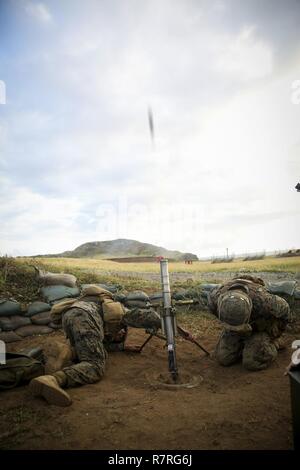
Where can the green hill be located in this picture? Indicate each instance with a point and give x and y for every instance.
(122, 247)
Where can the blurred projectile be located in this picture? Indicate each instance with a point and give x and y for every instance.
(151, 125)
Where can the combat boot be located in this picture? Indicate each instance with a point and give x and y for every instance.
(62, 356)
(48, 387)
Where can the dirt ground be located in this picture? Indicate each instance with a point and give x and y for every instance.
(231, 408)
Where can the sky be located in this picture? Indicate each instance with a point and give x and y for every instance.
(77, 162)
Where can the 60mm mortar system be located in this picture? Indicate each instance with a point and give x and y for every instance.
(170, 328)
(168, 320)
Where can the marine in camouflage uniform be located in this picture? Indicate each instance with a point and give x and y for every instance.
(253, 322)
(91, 337)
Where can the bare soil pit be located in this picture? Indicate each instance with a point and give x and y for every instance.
(165, 380)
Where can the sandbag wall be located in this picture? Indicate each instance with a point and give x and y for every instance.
(18, 322)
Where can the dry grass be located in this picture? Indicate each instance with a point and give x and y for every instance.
(268, 264)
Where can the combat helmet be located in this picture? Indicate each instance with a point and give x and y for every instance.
(234, 307)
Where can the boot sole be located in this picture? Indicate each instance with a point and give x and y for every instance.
(51, 394)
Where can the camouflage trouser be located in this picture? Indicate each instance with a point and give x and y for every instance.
(257, 351)
(84, 329)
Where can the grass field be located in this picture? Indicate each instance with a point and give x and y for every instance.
(145, 276)
(268, 264)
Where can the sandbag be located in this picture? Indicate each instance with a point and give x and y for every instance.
(31, 330)
(60, 307)
(112, 311)
(9, 307)
(137, 303)
(282, 287)
(156, 299)
(137, 299)
(297, 294)
(137, 295)
(93, 289)
(13, 322)
(19, 369)
(55, 326)
(91, 298)
(111, 288)
(53, 293)
(156, 296)
(9, 336)
(181, 295)
(55, 279)
(6, 324)
(42, 318)
(18, 321)
(120, 297)
(37, 307)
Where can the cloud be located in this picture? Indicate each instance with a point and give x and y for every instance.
(75, 141)
(27, 216)
(39, 11)
(245, 57)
